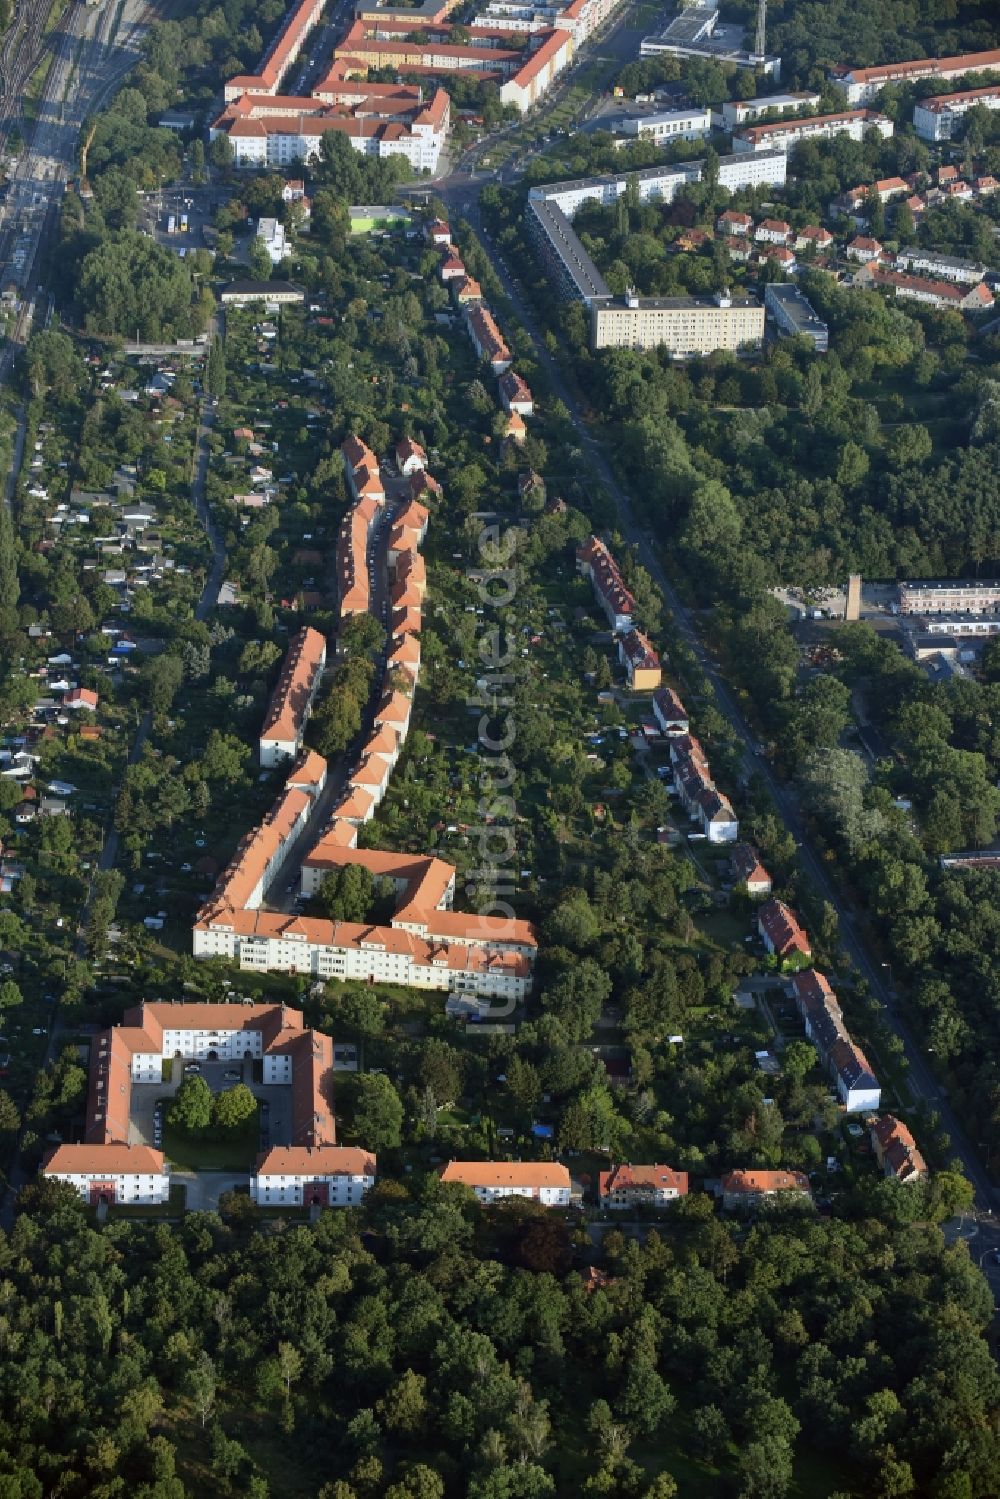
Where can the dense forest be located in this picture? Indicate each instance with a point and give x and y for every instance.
(427, 1350)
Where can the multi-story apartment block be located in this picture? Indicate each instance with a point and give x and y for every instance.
(950, 596)
(629, 1186)
(783, 135)
(863, 84)
(684, 326)
(384, 120)
(937, 119)
(794, 315)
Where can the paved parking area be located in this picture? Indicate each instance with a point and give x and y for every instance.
(276, 1101)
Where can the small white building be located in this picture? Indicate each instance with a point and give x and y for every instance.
(272, 234)
(334, 1176)
(545, 1182)
(668, 125)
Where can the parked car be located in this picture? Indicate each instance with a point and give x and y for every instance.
(232, 1076)
(192, 1066)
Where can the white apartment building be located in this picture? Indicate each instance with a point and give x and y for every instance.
(536, 76)
(958, 596)
(783, 135)
(283, 140)
(936, 119)
(739, 112)
(336, 1176)
(661, 184)
(863, 84)
(945, 267)
(545, 1182)
(684, 326)
(668, 125)
(125, 1175)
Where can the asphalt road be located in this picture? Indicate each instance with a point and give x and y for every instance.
(921, 1081)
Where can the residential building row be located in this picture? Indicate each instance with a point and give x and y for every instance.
(426, 944)
(114, 1166)
(937, 119)
(661, 184)
(487, 340)
(785, 135)
(292, 699)
(854, 1079)
(931, 293)
(522, 62)
(697, 792)
(685, 326)
(378, 119)
(864, 84)
(281, 54)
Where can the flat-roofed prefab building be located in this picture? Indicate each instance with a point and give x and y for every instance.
(684, 326)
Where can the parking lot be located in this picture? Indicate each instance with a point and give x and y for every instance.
(150, 1100)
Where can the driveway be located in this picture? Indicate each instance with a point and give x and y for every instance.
(204, 1188)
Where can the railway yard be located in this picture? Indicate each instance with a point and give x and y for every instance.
(90, 49)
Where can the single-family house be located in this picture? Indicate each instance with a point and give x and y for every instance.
(733, 222)
(81, 698)
(749, 872)
(772, 232)
(863, 249)
(896, 1150)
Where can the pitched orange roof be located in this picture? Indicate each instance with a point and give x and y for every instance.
(765, 1181)
(286, 713)
(506, 1174)
(103, 1160)
(315, 1161)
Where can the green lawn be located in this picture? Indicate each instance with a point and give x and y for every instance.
(235, 1152)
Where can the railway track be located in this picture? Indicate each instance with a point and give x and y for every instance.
(92, 49)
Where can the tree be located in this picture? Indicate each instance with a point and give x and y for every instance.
(215, 370)
(797, 1061)
(200, 1387)
(261, 264)
(233, 1107)
(9, 586)
(10, 995)
(378, 1112)
(161, 679)
(192, 1105)
(347, 894)
(10, 1119)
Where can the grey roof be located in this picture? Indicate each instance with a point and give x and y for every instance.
(796, 308)
(577, 264)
